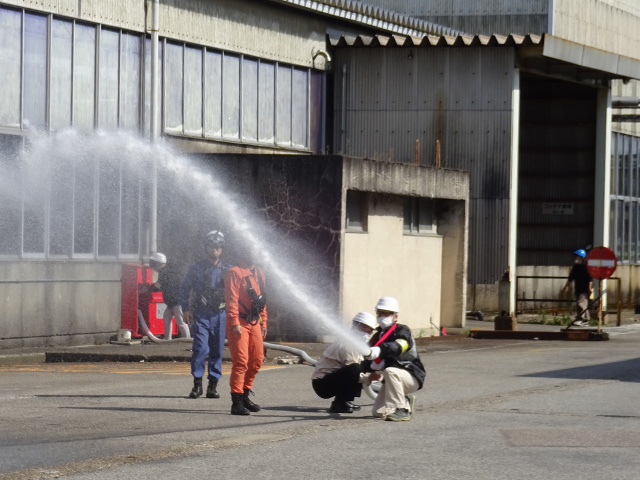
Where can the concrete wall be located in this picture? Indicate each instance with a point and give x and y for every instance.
(418, 270)
(384, 261)
(609, 25)
(58, 303)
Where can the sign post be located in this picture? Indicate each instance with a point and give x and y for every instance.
(601, 263)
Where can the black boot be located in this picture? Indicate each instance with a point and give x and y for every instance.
(237, 406)
(248, 404)
(340, 406)
(211, 388)
(197, 387)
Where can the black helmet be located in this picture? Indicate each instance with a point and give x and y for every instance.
(214, 239)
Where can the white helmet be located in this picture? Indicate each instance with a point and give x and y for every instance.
(388, 304)
(158, 257)
(366, 319)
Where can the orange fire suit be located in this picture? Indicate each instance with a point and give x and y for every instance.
(247, 350)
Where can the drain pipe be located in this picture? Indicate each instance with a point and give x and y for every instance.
(155, 25)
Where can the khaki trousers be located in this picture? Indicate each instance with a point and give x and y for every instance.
(397, 384)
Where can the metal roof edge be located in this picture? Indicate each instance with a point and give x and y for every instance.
(376, 17)
(590, 57)
(435, 40)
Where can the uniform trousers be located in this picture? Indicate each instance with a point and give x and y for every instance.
(170, 313)
(247, 355)
(208, 339)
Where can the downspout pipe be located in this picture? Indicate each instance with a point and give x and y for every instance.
(155, 98)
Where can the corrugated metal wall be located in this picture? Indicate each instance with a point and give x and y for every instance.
(461, 97)
(477, 17)
(556, 172)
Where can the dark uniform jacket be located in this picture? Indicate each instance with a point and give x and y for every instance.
(399, 350)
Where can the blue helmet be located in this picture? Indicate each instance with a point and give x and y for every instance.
(581, 253)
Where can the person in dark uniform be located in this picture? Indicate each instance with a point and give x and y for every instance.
(582, 287)
(169, 284)
(394, 356)
(204, 285)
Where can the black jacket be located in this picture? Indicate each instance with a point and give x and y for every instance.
(391, 352)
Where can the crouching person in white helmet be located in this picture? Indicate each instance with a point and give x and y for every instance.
(394, 356)
(338, 372)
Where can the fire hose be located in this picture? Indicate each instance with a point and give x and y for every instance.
(371, 390)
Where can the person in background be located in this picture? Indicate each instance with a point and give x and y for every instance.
(169, 284)
(394, 356)
(582, 287)
(338, 372)
(246, 328)
(202, 299)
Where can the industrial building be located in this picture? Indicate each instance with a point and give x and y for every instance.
(390, 100)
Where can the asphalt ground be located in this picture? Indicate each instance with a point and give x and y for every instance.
(490, 409)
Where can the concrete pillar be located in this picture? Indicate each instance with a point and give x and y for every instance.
(602, 187)
(513, 192)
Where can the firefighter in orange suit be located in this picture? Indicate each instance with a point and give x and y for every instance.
(246, 329)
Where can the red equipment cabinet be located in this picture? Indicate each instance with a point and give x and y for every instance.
(136, 280)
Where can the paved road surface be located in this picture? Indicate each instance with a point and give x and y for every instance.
(525, 410)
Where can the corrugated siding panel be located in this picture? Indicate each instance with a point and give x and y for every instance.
(488, 227)
(461, 97)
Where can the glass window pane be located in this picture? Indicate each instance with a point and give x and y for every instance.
(35, 71)
(130, 217)
(61, 206)
(10, 195)
(407, 215)
(130, 82)
(283, 123)
(108, 209)
(213, 94)
(10, 41)
(266, 108)
(193, 91)
(84, 203)
(356, 211)
(60, 85)
(300, 109)
(173, 88)
(250, 100)
(635, 192)
(633, 241)
(108, 79)
(231, 96)
(84, 73)
(34, 200)
(147, 86)
(425, 216)
(315, 112)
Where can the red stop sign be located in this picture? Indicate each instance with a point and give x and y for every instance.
(601, 263)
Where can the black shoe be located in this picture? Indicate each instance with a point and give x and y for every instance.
(340, 407)
(237, 407)
(400, 415)
(248, 404)
(353, 406)
(196, 391)
(211, 389)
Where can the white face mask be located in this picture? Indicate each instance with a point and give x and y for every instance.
(385, 322)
